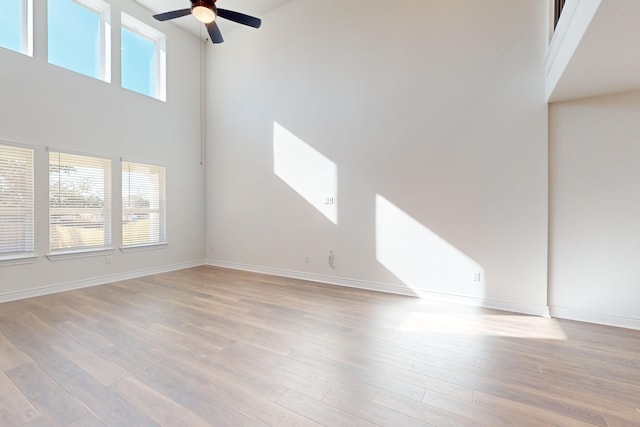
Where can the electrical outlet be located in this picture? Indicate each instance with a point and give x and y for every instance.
(332, 259)
(476, 277)
(107, 259)
(306, 259)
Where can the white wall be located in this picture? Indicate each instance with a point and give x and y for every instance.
(595, 209)
(47, 106)
(434, 115)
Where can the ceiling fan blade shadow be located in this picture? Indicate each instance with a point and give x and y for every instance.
(240, 18)
(214, 33)
(172, 15)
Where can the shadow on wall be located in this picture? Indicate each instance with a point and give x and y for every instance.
(416, 256)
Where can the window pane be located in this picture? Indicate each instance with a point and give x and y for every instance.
(138, 63)
(143, 204)
(74, 37)
(11, 24)
(143, 58)
(79, 201)
(16, 200)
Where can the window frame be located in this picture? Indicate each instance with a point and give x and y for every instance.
(26, 29)
(106, 211)
(103, 10)
(159, 39)
(161, 210)
(28, 210)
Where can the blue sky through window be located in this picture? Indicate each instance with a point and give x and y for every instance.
(74, 37)
(11, 22)
(138, 63)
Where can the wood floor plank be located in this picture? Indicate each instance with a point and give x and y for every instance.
(185, 388)
(10, 356)
(517, 413)
(105, 372)
(358, 404)
(88, 420)
(107, 405)
(320, 412)
(422, 411)
(55, 404)
(211, 346)
(154, 405)
(362, 375)
(15, 408)
(90, 340)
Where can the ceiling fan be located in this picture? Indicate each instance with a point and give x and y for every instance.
(206, 12)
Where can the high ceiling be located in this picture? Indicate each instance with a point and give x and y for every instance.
(606, 58)
(255, 8)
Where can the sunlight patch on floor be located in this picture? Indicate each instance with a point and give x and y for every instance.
(475, 324)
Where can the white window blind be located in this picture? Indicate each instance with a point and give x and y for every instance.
(16, 201)
(143, 204)
(79, 202)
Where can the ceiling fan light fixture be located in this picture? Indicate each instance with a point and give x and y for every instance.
(203, 13)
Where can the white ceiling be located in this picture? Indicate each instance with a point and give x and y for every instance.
(607, 58)
(255, 8)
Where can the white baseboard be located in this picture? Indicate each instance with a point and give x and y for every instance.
(384, 287)
(593, 317)
(319, 278)
(94, 281)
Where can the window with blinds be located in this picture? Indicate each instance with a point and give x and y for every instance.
(143, 204)
(79, 202)
(16, 201)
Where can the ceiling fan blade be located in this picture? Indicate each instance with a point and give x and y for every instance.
(240, 18)
(214, 33)
(172, 15)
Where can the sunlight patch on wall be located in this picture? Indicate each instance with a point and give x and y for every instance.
(305, 170)
(515, 326)
(421, 259)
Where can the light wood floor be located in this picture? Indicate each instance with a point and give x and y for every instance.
(208, 346)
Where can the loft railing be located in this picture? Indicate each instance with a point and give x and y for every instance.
(559, 4)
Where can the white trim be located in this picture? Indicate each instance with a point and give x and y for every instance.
(574, 21)
(69, 286)
(318, 278)
(75, 254)
(385, 287)
(27, 31)
(594, 317)
(17, 259)
(101, 156)
(145, 247)
(143, 162)
(17, 144)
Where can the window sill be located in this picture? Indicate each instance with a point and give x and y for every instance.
(63, 255)
(17, 259)
(146, 247)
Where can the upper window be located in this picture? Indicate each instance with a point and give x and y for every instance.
(79, 35)
(16, 201)
(143, 204)
(143, 58)
(16, 25)
(79, 202)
